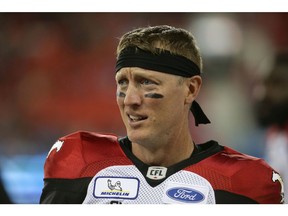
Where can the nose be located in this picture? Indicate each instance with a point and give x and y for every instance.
(132, 97)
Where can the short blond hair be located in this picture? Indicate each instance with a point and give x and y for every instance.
(152, 38)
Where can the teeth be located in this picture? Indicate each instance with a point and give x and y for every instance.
(135, 118)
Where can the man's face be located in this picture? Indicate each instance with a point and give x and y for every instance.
(152, 104)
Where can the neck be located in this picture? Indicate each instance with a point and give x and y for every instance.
(164, 153)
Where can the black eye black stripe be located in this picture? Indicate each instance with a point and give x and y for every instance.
(121, 94)
(149, 95)
(154, 95)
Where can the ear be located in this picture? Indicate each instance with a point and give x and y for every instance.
(194, 84)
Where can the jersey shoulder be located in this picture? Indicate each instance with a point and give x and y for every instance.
(247, 175)
(255, 176)
(72, 156)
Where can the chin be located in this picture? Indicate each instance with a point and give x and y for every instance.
(138, 137)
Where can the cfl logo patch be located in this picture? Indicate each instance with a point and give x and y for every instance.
(156, 172)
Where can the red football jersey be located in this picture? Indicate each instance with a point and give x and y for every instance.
(86, 167)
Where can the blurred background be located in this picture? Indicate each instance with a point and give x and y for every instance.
(57, 77)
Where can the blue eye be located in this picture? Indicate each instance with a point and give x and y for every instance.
(146, 82)
(122, 82)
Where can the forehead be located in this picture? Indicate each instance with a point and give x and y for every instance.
(134, 72)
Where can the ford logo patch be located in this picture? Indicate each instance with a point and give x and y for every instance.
(185, 195)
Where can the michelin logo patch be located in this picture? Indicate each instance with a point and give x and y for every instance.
(116, 187)
(183, 193)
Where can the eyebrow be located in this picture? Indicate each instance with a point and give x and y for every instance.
(137, 76)
(119, 76)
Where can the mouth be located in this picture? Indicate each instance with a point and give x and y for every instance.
(136, 118)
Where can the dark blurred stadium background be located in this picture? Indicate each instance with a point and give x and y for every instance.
(57, 76)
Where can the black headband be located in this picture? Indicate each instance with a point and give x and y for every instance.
(163, 62)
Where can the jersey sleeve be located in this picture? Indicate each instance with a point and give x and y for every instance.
(64, 191)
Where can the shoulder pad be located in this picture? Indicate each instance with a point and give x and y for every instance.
(254, 178)
(260, 182)
(71, 154)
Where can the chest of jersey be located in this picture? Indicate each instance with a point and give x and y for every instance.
(126, 184)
